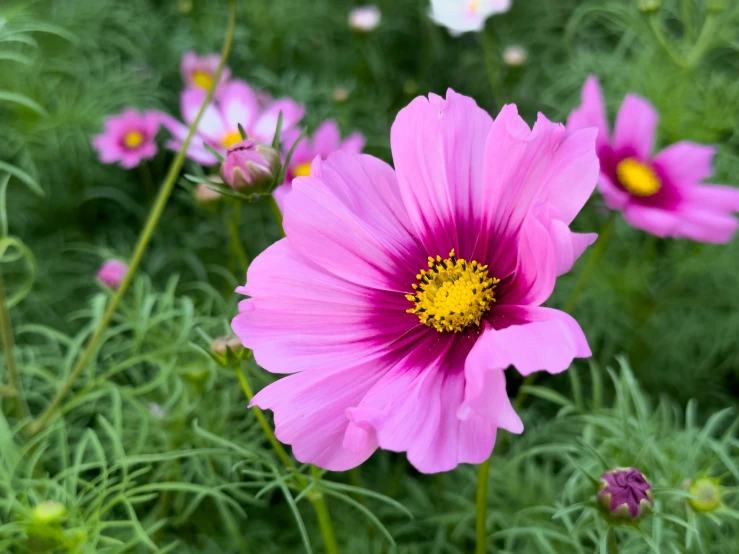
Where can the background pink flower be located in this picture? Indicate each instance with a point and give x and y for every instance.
(658, 193)
(326, 140)
(200, 71)
(462, 16)
(128, 138)
(398, 298)
(237, 104)
(111, 273)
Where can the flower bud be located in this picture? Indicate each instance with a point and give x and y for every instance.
(365, 18)
(649, 6)
(227, 350)
(206, 195)
(515, 56)
(250, 165)
(717, 6)
(706, 494)
(157, 411)
(624, 494)
(49, 512)
(111, 273)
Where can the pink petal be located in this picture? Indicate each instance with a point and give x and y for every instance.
(302, 317)
(720, 198)
(688, 221)
(685, 163)
(238, 105)
(266, 125)
(616, 197)
(347, 217)
(327, 138)
(591, 112)
(536, 339)
(635, 127)
(310, 414)
(211, 124)
(354, 143)
(438, 149)
(413, 408)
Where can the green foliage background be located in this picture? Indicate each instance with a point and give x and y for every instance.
(203, 478)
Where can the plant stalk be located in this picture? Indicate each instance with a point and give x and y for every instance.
(481, 503)
(146, 234)
(6, 330)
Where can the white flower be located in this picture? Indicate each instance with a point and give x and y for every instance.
(515, 56)
(461, 16)
(365, 18)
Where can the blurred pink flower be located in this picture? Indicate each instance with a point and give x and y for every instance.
(462, 16)
(326, 139)
(219, 128)
(658, 193)
(365, 18)
(112, 273)
(128, 138)
(399, 297)
(199, 71)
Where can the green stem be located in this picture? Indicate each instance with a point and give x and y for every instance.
(481, 502)
(612, 542)
(324, 517)
(276, 213)
(233, 230)
(703, 43)
(279, 450)
(492, 65)
(144, 238)
(315, 497)
(6, 330)
(656, 25)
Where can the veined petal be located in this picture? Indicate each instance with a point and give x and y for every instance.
(686, 163)
(635, 127)
(592, 112)
(238, 104)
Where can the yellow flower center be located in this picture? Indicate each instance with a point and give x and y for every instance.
(453, 294)
(202, 79)
(473, 6)
(231, 138)
(132, 139)
(638, 178)
(302, 170)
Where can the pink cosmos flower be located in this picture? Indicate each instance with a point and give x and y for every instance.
(399, 297)
(219, 128)
(365, 18)
(658, 193)
(326, 139)
(111, 273)
(128, 138)
(200, 71)
(462, 16)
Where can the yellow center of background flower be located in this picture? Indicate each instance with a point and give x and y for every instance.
(234, 137)
(453, 294)
(202, 79)
(132, 139)
(639, 179)
(302, 170)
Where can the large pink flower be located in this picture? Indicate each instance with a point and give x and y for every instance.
(398, 298)
(200, 71)
(661, 193)
(128, 138)
(326, 140)
(236, 104)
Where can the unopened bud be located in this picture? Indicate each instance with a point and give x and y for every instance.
(515, 56)
(227, 350)
(250, 165)
(717, 6)
(649, 6)
(624, 494)
(706, 494)
(49, 512)
(340, 94)
(206, 194)
(111, 273)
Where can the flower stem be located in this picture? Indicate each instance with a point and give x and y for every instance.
(612, 542)
(233, 230)
(315, 497)
(324, 517)
(144, 238)
(277, 213)
(6, 330)
(701, 46)
(279, 450)
(481, 502)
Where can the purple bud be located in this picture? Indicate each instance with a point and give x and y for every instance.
(111, 273)
(250, 165)
(624, 493)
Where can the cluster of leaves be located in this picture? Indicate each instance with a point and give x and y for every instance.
(155, 449)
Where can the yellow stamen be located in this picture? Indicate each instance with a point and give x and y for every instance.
(202, 79)
(453, 294)
(133, 139)
(231, 138)
(638, 178)
(302, 170)
(473, 6)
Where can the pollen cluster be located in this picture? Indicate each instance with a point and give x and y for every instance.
(133, 139)
(453, 294)
(638, 178)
